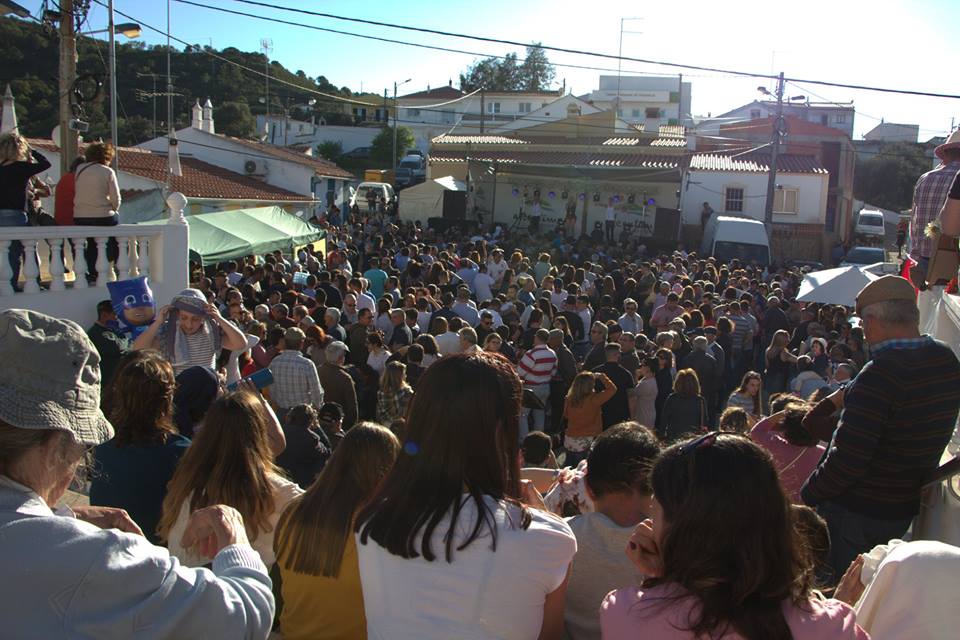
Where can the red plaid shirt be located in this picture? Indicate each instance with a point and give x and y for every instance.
(928, 198)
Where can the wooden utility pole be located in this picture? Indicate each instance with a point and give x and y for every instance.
(774, 153)
(68, 76)
(482, 112)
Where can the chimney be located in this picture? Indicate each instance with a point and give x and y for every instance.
(450, 82)
(9, 122)
(196, 115)
(207, 124)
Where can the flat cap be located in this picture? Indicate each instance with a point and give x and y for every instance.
(885, 288)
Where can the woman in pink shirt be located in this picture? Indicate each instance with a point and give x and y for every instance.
(723, 554)
(795, 451)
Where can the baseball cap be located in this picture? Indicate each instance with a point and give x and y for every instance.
(885, 288)
(56, 381)
(336, 349)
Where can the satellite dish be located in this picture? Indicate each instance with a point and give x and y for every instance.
(55, 137)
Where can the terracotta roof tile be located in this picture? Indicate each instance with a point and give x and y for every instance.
(756, 163)
(482, 139)
(564, 158)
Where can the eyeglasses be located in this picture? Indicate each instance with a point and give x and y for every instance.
(703, 441)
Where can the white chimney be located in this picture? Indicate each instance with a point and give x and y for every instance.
(208, 117)
(196, 117)
(9, 122)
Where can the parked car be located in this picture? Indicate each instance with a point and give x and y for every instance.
(870, 225)
(727, 237)
(859, 256)
(360, 153)
(359, 196)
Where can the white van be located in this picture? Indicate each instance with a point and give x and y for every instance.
(870, 224)
(726, 237)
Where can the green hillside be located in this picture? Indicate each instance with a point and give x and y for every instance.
(31, 52)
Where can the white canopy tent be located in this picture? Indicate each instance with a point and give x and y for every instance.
(424, 201)
(835, 286)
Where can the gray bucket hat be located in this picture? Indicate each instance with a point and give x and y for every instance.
(52, 377)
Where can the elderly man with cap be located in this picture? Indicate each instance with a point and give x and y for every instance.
(89, 572)
(337, 383)
(631, 321)
(190, 332)
(295, 379)
(898, 415)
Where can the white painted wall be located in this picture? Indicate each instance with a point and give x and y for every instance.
(709, 186)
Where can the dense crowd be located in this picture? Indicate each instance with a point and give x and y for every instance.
(415, 434)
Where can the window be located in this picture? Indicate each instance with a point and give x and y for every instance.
(733, 199)
(755, 114)
(824, 119)
(525, 107)
(786, 201)
(841, 118)
(447, 117)
(413, 113)
(635, 113)
(493, 107)
(653, 112)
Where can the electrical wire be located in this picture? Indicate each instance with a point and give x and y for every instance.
(580, 52)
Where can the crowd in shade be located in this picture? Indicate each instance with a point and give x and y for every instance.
(412, 434)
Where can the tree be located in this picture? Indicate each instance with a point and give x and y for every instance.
(234, 119)
(382, 146)
(536, 73)
(330, 149)
(887, 179)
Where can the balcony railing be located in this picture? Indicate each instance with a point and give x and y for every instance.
(53, 272)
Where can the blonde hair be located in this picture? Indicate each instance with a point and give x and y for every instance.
(101, 152)
(393, 378)
(582, 386)
(312, 533)
(13, 146)
(229, 462)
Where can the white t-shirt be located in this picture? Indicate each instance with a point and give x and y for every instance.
(599, 567)
(283, 492)
(482, 594)
(611, 214)
(482, 283)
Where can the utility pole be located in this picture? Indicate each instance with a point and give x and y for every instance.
(774, 152)
(396, 112)
(68, 76)
(482, 112)
(115, 162)
(266, 45)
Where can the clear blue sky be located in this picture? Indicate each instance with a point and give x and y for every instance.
(901, 44)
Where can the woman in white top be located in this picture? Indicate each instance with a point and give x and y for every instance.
(96, 199)
(377, 354)
(231, 462)
(446, 548)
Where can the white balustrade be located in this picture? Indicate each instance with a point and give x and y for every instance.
(56, 264)
(157, 251)
(123, 259)
(31, 267)
(79, 264)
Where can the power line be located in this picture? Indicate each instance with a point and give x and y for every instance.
(574, 51)
(417, 44)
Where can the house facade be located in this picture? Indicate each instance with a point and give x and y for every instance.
(301, 173)
(737, 185)
(834, 115)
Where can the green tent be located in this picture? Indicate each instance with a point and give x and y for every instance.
(228, 235)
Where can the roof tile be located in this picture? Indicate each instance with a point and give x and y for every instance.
(756, 163)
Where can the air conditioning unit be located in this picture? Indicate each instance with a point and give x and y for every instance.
(255, 167)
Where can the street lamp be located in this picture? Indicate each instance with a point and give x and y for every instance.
(396, 112)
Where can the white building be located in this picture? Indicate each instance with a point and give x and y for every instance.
(650, 100)
(738, 185)
(892, 132)
(284, 168)
(302, 133)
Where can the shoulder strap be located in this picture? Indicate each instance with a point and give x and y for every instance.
(82, 169)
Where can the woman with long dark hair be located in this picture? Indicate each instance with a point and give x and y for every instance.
(446, 548)
(315, 546)
(748, 395)
(723, 554)
(132, 470)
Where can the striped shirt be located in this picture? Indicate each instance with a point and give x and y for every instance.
(202, 353)
(538, 365)
(899, 413)
(295, 381)
(929, 194)
(740, 333)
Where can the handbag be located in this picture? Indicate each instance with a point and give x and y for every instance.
(945, 259)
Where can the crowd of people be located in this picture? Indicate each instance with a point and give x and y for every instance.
(414, 434)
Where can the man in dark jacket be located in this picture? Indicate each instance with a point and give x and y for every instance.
(337, 383)
(708, 372)
(774, 319)
(563, 378)
(617, 408)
